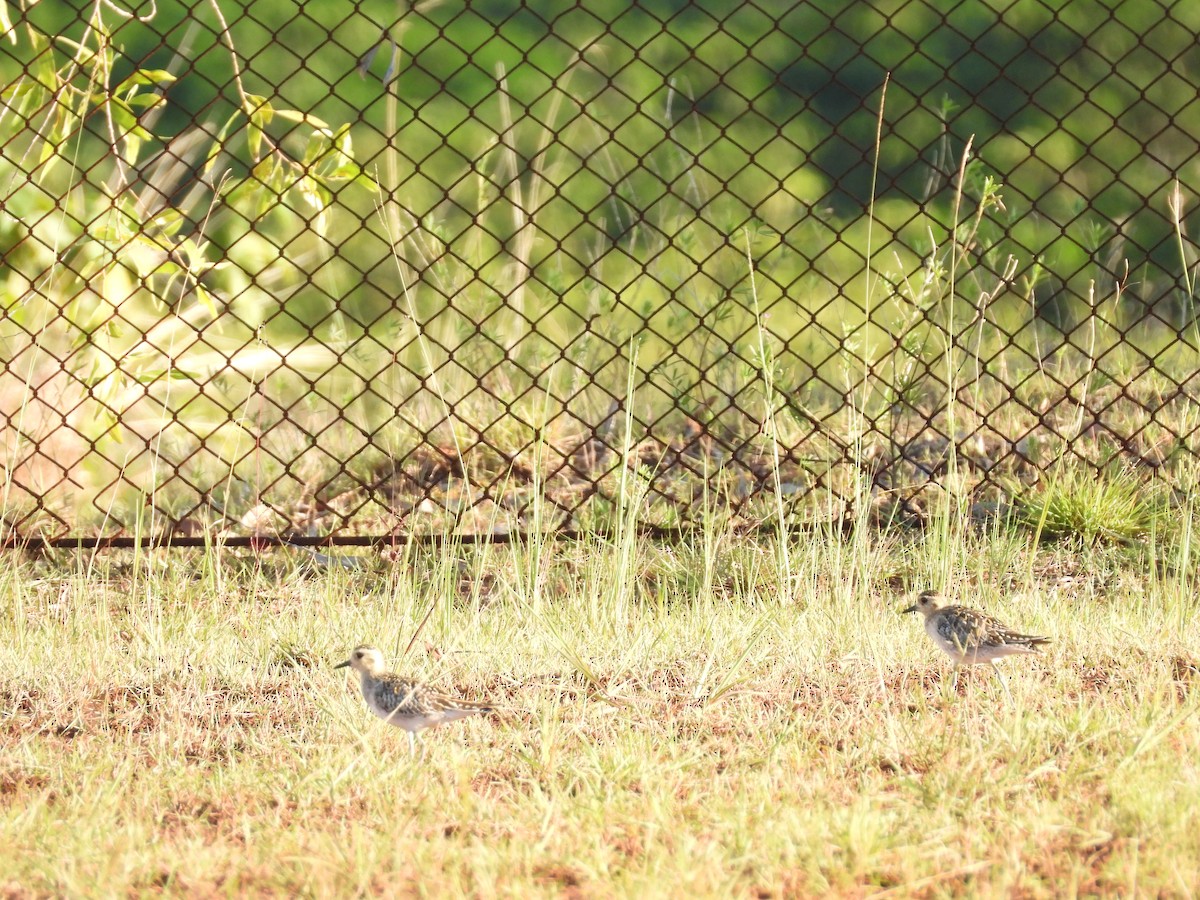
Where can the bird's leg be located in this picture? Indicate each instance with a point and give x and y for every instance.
(412, 745)
(1003, 683)
(954, 682)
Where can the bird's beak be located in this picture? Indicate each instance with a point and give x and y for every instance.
(911, 609)
(342, 665)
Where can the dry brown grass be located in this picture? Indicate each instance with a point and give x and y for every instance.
(752, 732)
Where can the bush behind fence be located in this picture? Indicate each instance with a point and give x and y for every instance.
(279, 270)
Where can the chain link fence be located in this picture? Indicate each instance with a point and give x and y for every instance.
(321, 272)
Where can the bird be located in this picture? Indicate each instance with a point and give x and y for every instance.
(403, 702)
(970, 637)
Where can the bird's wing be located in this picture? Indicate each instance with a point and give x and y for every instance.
(962, 627)
(995, 633)
(1004, 635)
(441, 702)
(399, 695)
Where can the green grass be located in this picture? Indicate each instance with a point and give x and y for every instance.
(719, 719)
(732, 716)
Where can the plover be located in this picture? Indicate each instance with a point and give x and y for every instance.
(970, 637)
(403, 702)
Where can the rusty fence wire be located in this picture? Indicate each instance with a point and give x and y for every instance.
(357, 272)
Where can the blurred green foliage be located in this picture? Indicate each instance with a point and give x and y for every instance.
(416, 210)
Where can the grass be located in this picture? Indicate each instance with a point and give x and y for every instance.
(716, 724)
(1077, 502)
(731, 716)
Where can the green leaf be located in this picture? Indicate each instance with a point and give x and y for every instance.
(343, 140)
(258, 109)
(368, 182)
(85, 57)
(206, 298)
(131, 146)
(264, 171)
(218, 143)
(254, 138)
(167, 221)
(46, 159)
(144, 77)
(144, 102)
(293, 116)
(6, 24)
(127, 124)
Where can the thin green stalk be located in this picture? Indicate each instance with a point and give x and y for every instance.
(770, 422)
